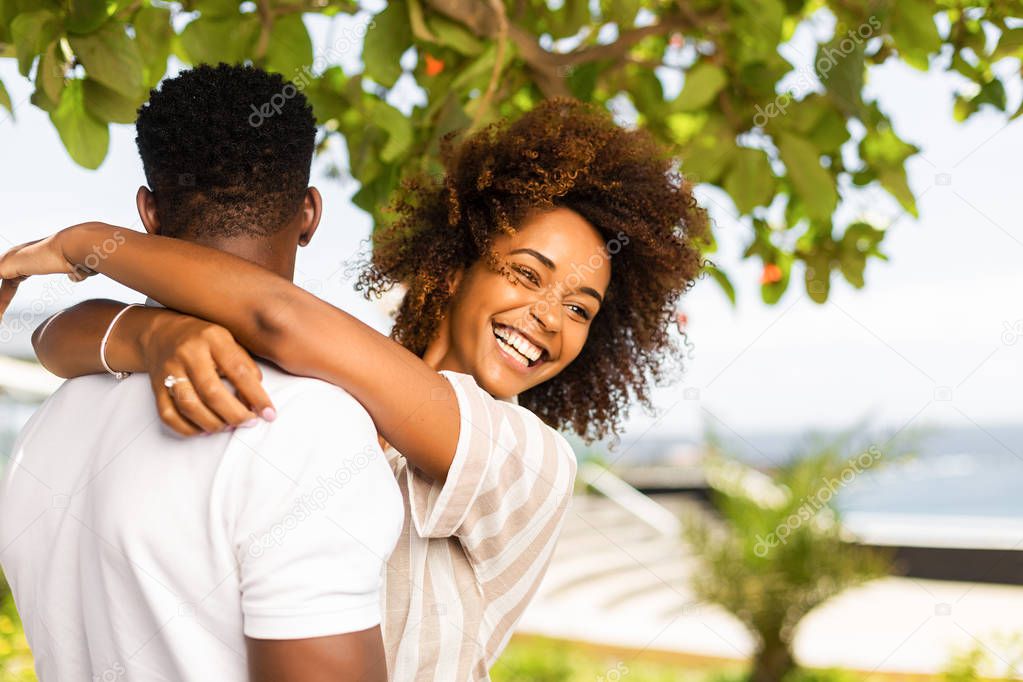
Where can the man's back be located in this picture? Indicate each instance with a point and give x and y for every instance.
(133, 552)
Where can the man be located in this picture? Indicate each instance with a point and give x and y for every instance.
(254, 554)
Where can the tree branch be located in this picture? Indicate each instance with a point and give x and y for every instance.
(266, 21)
(495, 74)
(550, 69)
(619, 48)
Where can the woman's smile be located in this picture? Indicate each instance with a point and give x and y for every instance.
(519, 350)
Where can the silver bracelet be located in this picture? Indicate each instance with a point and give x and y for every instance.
(106, 338)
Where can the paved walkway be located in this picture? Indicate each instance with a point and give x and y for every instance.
(616, 581)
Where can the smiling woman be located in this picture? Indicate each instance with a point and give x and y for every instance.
(592, 225)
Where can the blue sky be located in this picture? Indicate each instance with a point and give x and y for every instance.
(932, 339)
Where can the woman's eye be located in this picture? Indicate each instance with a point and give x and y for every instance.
(527, 273)
(581, 311)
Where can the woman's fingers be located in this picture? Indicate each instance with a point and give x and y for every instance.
(215, 395)
(168, 410)
(241, 370)
(8, 289)
(190, 405)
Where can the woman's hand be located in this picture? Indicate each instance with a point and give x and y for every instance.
(41, 257)
(200, 353)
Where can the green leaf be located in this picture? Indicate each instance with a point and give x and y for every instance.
(153, 33)
(830, 132)
(621, 12)
(85, 16)
(51, 71)
(703, 82)
(818, 275)
(1010, 44)
(914, 32)
(32, 32)
(388, 37)
(217, 8)
(813, 182)
(326, 95)
(109, 105)
(399, 131)
(893, 179)
(963, 108)
(85, 137)
(582, 80)
(841, 69)
(750, 182)
(755, 30)
(449, 34)
(573, 15)
(882, 147)
(710, 149)
(111, 57)
(859, 242)
(993, 93)
(722, 279)
(478, 72)
(5, 99)
(211, 40)
(290, 49)
(647, 92)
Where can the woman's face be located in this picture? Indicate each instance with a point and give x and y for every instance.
(517, 329)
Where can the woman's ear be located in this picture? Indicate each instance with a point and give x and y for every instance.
(454, 279)
(312, 210)
(146, 204)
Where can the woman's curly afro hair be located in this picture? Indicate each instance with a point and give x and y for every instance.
(568, 154)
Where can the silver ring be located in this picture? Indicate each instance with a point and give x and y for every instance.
(171, 381)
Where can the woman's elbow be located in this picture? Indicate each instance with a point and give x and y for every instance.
(276, 327)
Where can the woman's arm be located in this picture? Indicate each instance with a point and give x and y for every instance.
(67, 344)
(413, 406)
(160, 342)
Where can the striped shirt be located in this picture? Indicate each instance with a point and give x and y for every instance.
(473, 551)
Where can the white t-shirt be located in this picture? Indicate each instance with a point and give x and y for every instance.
(136, 554)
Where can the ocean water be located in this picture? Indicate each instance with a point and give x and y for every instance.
(970, 475)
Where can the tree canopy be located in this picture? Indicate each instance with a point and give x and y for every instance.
(786, 142)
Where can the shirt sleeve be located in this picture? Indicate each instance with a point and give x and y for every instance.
(511, 478)
(315, 511)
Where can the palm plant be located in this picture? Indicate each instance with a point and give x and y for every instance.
(778, 550)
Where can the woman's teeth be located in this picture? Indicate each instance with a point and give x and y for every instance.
(518, 346)
(517, 356)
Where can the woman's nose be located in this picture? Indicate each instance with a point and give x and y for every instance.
(547, 315)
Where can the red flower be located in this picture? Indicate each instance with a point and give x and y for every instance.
(433, 65)
(681, 320)
(772, 273)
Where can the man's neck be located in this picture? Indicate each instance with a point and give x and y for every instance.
(274, 252)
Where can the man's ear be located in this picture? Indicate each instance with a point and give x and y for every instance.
(146, 203)
(312, 210)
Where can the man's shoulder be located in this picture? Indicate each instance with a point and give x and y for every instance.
(285, 387)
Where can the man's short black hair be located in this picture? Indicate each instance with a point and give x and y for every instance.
(226, 151)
